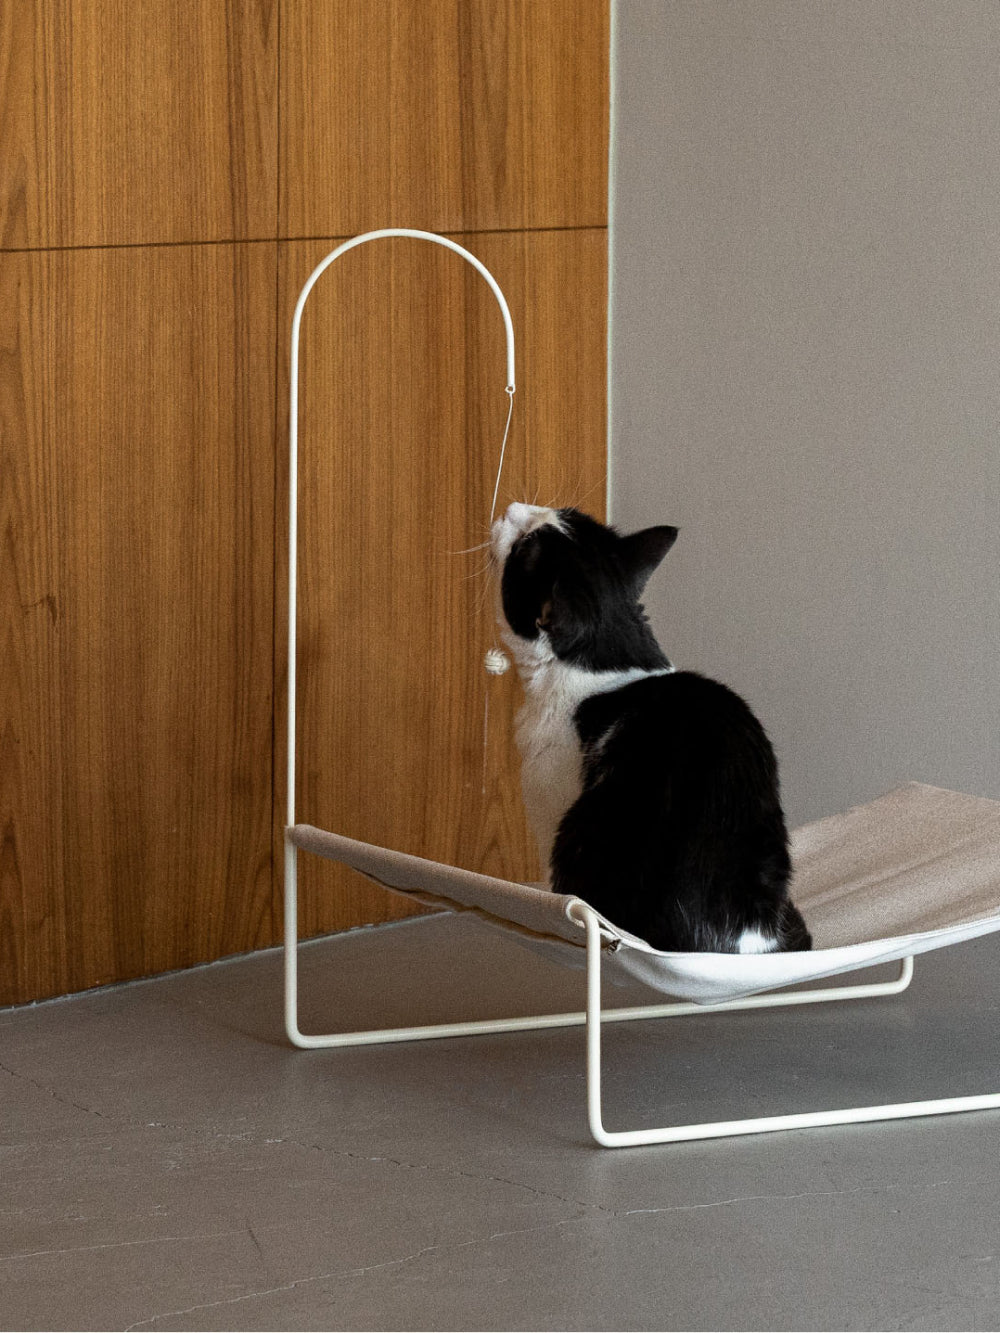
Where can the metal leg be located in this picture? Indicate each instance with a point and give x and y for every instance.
(729, 1128)
(377, 1036)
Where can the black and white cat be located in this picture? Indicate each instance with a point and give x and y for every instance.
(653, 792)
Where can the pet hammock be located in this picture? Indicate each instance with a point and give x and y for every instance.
(915, 870)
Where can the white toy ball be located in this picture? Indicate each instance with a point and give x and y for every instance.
(496, 661)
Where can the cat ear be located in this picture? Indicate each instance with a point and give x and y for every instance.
(641, 552)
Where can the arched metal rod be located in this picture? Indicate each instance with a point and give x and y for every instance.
(293, 436)
(290, 876)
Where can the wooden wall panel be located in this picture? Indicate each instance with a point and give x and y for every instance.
(447, 115)
(136, 425)
(142, 526)
(403, 408)
(125, 121)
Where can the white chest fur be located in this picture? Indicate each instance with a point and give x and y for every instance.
(551, 762)
(551, 757)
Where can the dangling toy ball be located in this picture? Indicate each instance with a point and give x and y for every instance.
(496, 661)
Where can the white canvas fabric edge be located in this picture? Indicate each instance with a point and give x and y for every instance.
(712, 978)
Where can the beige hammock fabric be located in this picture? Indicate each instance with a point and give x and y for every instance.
(914, 870)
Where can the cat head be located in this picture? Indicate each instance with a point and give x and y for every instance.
(570, 588)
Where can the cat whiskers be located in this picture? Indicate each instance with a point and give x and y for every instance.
(487, 585)
(579, 501)
(485, 571)
(470, 550)
(477, 573)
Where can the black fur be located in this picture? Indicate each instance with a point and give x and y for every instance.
(678, 834)
(583, 588)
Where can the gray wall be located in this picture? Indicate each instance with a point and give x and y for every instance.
(805, 327)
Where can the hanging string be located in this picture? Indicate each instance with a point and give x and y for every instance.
(496, 660)
(503, 450)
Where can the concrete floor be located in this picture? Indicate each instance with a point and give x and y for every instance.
(168, 1162)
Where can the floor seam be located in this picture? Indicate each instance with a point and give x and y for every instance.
(337, 1274)
(42, 1087)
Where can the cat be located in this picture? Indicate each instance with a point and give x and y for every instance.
(653, 792)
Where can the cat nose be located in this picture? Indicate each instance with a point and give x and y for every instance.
(518, 513)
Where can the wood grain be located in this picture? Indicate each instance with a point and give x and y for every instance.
(141, 517)
(484, 114)
(136, 421)
(402, 414)
(125, 121)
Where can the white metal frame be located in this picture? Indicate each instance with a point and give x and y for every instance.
(631, 1138)
(592, 1016)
